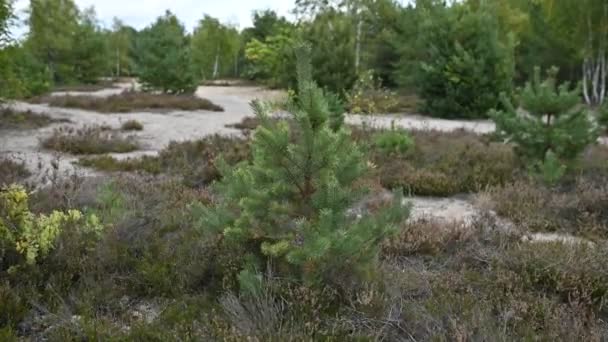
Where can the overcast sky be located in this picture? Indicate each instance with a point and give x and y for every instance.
(140, 13)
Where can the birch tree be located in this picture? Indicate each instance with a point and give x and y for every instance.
(215, 48)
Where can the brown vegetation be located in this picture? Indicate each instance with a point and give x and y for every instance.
(12, 119)
(89, 140)
(195, 161)
(12, 171)
(130, 101)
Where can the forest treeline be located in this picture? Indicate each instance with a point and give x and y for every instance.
(458, 56)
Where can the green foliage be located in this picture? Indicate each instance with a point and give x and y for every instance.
(22, 75)
(89, 50)
(554, 122)
(272, 59)
(68, 42)
(215, 49)
(289, 205)
(165, 61)
(551, 170)
(603, 116)
(394, 141)
(33, 236)
(442, 164)
(369, 97)
(6, 15)
(333, 57)
(121, 46)
(466, 65)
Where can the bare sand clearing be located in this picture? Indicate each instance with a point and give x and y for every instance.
(159, 129)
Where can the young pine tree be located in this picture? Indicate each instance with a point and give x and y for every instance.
(289, 207)
(553, 129)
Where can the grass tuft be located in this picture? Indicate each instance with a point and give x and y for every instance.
(132, 125)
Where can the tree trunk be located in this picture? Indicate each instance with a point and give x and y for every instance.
(358, 45)
(216, 65)
(117, 62)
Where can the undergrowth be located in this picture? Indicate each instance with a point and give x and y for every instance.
(89, 140)
(130, 101)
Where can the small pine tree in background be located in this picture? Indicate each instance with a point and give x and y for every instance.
(289, 207)
(552, 129)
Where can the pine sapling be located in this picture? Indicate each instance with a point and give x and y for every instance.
(551, 126)
(289, 207)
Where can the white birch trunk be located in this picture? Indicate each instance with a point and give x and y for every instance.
(216, 65)
(358, 46)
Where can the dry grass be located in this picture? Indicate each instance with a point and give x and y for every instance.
(11, 119)
(89, 140)
(130, 101)
(12, 171)
(194, 161)
(441, 164)
(86, 87)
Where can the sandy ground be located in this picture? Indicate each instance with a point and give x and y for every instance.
(161, 129)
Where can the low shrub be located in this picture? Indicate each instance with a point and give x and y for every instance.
(578, 209)
(441, 164)
(195, 161)
(12, 171)
(132, 125)
(89, 140)
(369, 97)
(247, 125)
(130, 101)
(393, 141)
(31, 236)
(101, 85)
(12, 119)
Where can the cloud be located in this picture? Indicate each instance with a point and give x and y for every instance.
(140, 14)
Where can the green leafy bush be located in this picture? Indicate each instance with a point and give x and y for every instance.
(554, 124)
(33, 236)
(369, 97)
(394, 141)
(466, 66)
(289, 205)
